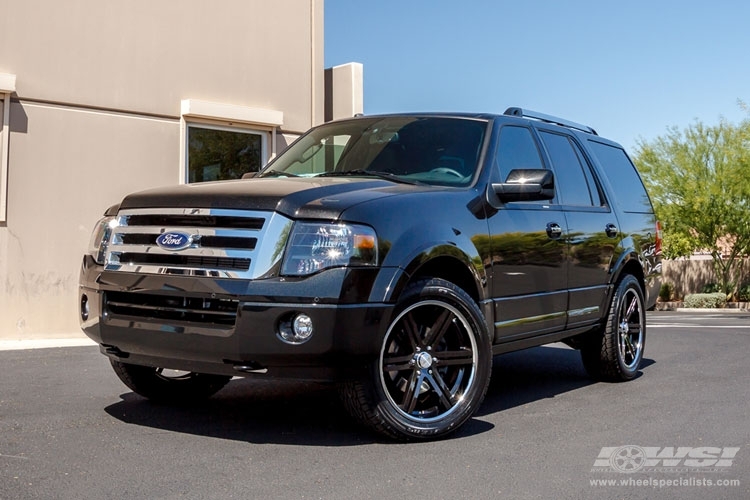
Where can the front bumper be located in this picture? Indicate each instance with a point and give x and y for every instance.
(347, 323)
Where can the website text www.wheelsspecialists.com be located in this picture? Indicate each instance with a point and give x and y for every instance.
(697, 467)
(650, 482)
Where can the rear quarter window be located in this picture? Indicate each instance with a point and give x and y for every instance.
(630, 194)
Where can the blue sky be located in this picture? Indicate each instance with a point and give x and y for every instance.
(629, 69)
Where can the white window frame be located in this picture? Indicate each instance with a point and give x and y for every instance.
(7, 87)
(230, 118)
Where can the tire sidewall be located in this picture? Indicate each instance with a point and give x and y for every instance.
(446, 292)
(146, 381)
(627, 284)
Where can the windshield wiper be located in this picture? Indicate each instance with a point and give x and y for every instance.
(368, 173)
(277, 173)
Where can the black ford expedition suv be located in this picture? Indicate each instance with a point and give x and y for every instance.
(394, 255)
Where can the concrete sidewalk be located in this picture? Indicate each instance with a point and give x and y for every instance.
(15, 345)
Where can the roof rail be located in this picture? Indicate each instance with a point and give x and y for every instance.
(526, 113)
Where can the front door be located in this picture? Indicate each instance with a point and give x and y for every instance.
(528, 242)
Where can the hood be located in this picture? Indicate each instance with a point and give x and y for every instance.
(324, 198)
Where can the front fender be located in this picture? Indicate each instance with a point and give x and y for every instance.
(465, 257)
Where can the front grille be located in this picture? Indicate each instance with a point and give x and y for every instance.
(205, 241)
(172, 309)
(185, 261)
(223, 243)
(191, 220)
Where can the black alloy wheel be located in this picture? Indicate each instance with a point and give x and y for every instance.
(433, 368)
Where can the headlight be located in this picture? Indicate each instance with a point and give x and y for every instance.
(100, 238)
(313, 247)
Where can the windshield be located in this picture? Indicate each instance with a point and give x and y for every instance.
(429, 150)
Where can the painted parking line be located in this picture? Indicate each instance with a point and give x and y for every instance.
(688, 325)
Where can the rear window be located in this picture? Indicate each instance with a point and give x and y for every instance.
(630, 194)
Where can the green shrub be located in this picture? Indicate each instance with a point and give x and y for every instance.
(711, 288)
(665, 292)
(744, 293)
(705, 300)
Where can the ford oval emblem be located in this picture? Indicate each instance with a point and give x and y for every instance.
(174, 241)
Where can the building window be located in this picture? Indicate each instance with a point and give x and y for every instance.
(222, 153)
(220, 141)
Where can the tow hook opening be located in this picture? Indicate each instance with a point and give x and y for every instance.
(111, 350)
(85, 308)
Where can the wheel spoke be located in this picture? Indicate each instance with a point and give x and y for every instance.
(460, 357)
(412, 392)
(438, 328)
(412, 330)
(634, 328)
(397, 363)
(631, 308)
(441, 389)
(628, 346)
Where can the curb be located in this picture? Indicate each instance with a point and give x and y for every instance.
(728, 310)
(677, 305)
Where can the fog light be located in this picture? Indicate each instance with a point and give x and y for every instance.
(297, 329)
(84, 308)
(302, 326)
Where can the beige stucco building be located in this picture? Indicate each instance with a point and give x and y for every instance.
(99, 99)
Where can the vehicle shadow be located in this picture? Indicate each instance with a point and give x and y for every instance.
(522, 377)
(255, 411)
(292, 412)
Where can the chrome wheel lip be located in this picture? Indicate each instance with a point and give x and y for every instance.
(168, 374)
(630, 342)
(426, 376)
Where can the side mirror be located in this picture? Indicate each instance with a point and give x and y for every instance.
(526, 185)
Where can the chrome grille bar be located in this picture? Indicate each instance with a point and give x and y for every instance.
(225, 243)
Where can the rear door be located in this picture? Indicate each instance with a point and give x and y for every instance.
(593, 231)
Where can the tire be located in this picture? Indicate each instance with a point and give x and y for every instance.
(433, 367)
(616, 351)
(155, 384)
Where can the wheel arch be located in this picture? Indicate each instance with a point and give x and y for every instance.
(446, 262)
(628, 263)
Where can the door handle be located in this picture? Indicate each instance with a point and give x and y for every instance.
(554, 230)
(611, 230)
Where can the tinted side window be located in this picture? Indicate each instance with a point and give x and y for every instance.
(517, 150)
(594, 188)
(573, 184)
(623, 177)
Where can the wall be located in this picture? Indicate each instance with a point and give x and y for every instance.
(96, 114)
(145, 56)
(691, 275)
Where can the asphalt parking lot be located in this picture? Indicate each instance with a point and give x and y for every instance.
(70, 430)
